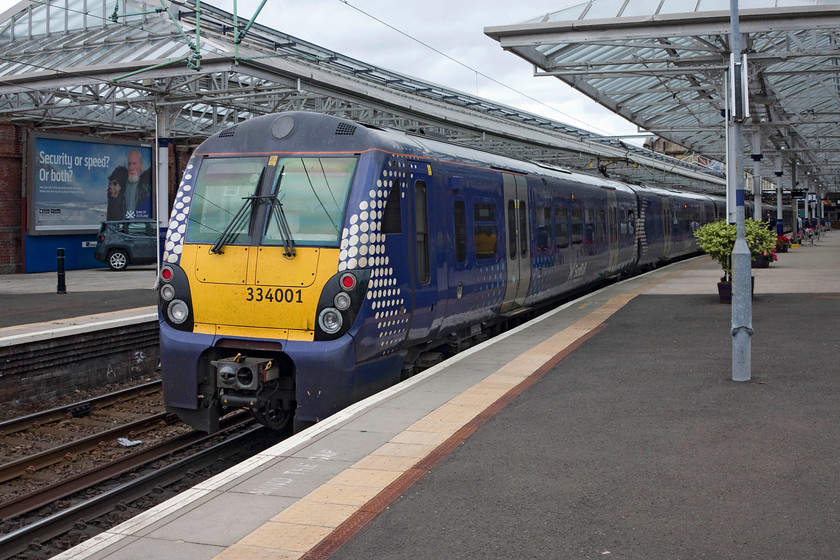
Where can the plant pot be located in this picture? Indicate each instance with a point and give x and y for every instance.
(761, 261)
(725, 290)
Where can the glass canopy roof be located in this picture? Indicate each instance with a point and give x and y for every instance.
(147, 67)
(662, 64)
(606, 9)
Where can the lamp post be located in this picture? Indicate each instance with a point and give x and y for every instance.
(741, 259)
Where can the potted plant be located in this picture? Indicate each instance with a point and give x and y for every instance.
(762, 243)
(718, 239)
(783, 243)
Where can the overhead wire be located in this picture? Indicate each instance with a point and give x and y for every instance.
(468, 67)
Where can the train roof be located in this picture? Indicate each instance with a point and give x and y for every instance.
(303, 131)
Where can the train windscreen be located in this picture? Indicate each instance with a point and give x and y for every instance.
(221, 189)
(313, 193)
(309, 193)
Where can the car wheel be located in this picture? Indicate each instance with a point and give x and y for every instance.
(118, 260)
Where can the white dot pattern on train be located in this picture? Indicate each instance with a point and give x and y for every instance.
(363, 246)
(178, 219)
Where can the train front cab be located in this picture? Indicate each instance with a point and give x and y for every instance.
(249, 285)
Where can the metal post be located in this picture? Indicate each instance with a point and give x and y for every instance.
(757, 157)
(741, 259)
(780, 226)
(62, 286)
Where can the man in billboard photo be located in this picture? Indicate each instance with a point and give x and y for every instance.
(138, 188)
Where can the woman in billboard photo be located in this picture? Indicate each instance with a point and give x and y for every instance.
(116, 193)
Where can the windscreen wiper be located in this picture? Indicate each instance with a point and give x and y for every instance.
(282, 225)
(280, 216)
(234, 226)
(239, 219)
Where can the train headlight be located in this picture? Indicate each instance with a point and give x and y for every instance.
(330, 320)
(167, 292)
(178, 311)
(342, 300)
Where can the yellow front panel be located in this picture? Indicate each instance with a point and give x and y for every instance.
(229, 267)
(274, 269)
(265, 304)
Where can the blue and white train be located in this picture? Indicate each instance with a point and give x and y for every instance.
(312, 261)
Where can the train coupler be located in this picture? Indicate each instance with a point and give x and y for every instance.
(242, 373)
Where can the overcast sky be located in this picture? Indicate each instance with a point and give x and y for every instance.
(453, 27)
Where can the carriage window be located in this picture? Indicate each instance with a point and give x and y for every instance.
(512, 228)
(561, 228)
(577, 227)
(392, 218)
(601, 227)
(484, 212)
(460, 225)
(543, 228)
(485, 231)
(588, 225)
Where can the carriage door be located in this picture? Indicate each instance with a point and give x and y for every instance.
(612, 227)
(666, 226)
(424, 281)
(516, 225)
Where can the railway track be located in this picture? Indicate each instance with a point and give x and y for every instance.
(78, 409)
(32, 541)
(79, 465)
(62, 441)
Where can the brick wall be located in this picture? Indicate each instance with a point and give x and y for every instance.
(35, 372)
(11, 169)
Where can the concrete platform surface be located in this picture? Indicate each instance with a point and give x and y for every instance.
(609, 428)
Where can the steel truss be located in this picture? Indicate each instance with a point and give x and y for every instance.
(81, 65)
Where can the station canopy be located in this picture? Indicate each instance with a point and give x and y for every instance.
(662, 64)
(181, 70)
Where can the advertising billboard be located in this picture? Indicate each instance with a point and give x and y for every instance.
(75, 183)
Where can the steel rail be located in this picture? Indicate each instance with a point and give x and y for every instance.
(69, 486)
(55, 525)
(31, 463)
(76, 409)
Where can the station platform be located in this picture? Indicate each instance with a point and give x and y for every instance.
(32, 309)
(609, 427)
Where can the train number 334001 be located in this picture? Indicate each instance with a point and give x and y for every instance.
(276, 295)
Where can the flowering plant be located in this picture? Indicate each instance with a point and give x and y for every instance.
(782, 240)
(769, 255)
(718, 239)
